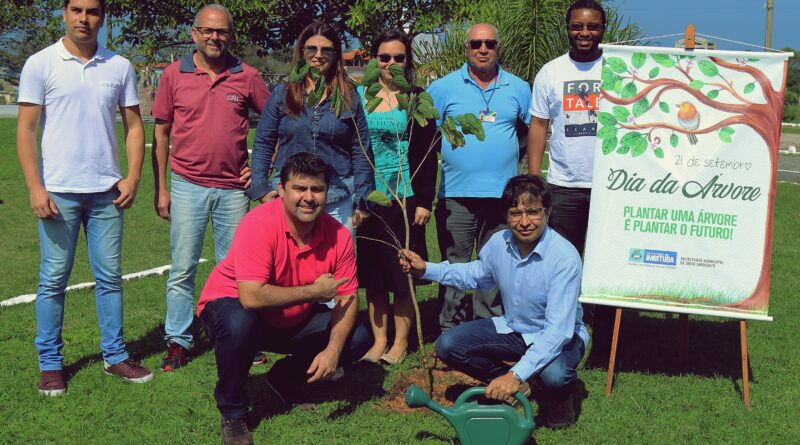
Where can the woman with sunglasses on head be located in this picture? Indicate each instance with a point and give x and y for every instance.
(406, 163)
(339, 138)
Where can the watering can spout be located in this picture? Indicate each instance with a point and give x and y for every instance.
(417, 398)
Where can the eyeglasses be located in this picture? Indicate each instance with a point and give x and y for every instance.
(398, 58)
(208, 32)
(536, 213)
(311, 50)
(592, 27)
(477, 43)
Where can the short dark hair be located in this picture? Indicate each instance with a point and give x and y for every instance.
(522, 185)
(306, 164)
(102, 5)
(395, 34)
(586, 4)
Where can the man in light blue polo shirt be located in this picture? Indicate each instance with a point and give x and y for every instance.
(539, 275)
(473, 176)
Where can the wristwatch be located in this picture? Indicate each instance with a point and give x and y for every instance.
(516, 376)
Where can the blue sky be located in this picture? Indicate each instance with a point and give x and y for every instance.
(739, 20)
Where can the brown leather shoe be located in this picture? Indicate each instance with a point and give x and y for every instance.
(51, 383)
(235, 432)
(129, 370)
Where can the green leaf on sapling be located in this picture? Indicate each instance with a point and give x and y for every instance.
(373, 103)
(379, 198)
(470, 124)
(371, 73)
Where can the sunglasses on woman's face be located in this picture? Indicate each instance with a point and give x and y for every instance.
(477, 43)
(386, 58)
(311, 50)
(398, 58)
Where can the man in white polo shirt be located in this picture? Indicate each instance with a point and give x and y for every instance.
(74, 87)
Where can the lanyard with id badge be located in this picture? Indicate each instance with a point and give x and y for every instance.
(487, 115)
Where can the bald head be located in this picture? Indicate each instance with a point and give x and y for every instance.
(482, 49)
(482, 31)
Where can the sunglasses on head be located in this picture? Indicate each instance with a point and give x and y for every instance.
(477, 43)
(327, 51)
(398, 58)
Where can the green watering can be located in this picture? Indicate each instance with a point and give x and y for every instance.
(477, 424)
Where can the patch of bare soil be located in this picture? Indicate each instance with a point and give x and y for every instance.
(447, 386)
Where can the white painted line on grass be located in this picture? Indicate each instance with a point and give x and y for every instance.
(88, 285)
(788, 171)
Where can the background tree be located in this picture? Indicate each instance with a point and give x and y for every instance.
(151, 25)
(791, 111)
(368, 18)
(26, 26)
(532, 33)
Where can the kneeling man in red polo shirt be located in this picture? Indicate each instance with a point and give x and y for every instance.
(286, 256)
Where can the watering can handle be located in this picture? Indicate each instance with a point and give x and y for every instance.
(479, 391)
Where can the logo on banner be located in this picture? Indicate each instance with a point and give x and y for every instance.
(654, 257)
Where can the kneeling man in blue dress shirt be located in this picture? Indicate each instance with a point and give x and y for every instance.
(539, 275)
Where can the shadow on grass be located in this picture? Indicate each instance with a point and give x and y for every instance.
(149, 344)
(648, 343)
(362, 382)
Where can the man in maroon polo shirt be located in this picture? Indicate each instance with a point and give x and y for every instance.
(287, 255)
(202, 102)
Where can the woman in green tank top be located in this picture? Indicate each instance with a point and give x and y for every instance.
(406, 163)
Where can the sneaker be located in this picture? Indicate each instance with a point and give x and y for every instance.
(559, 414)
(235, 432)
(260, 358)
(177, 357)
(129, 370)
(51, 383)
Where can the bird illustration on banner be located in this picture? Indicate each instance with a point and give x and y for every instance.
(689, 119)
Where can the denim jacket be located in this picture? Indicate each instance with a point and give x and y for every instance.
(319, 131)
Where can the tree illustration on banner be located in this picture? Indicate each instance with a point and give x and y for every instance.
(636, 90)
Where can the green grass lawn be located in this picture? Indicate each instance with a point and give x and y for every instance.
(791, 130)
(652, 402)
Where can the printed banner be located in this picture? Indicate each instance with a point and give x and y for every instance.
(684, 181)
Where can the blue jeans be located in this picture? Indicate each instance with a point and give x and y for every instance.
(102, 222)
(464, 225)
(190, 207)
(476, 349)
(238, 333)
(342, 211)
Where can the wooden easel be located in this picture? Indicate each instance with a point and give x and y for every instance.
(683, 342)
